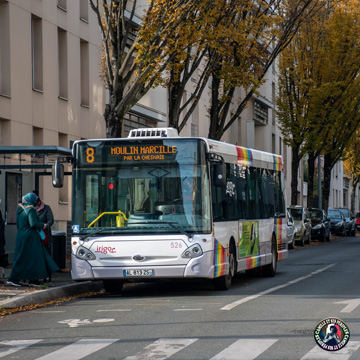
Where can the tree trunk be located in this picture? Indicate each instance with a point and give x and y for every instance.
(328, 165)
(354, 183)
(311, 170)
(114, 122)
(294, 170)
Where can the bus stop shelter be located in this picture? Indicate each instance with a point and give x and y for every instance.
(20, 170)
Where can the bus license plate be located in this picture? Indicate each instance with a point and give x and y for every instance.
(138, 272)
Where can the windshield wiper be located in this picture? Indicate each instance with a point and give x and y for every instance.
(165, 222)
(87, 236)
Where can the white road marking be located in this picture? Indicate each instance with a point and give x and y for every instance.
(268, 291)
(79, 349)
(245, 349)
(114, 310)
(162, 349)
(352, 305)
(15, 345)
(103, 320)
(77, 322)
(317, 353)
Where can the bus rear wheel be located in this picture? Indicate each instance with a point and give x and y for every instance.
(270, 269)
(224, 282)
(113, 286)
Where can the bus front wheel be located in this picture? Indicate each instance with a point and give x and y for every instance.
(224, 282)
(112, 286)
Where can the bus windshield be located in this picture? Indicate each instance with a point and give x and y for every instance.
(143, 186)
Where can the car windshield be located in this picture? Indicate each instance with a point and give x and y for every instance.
(296, 213)
(358, 215)
(334, 215)
(346, 212)
(152, 186)
(316, 214)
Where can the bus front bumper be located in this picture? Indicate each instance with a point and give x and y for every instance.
(200, 267)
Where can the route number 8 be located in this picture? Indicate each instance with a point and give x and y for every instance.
(90, 155)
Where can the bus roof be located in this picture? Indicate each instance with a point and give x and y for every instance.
(230, 152)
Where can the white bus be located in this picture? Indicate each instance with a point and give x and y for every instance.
(157, 205)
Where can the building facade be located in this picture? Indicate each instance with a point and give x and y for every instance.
(50, 94)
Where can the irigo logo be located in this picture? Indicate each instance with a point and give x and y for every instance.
(105, 249)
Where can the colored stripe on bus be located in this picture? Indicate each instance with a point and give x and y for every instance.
(244, 156)
(252, 262)
(277, 163)
(219, 259)
(278, 235)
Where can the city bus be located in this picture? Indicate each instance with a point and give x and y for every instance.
(156, 205)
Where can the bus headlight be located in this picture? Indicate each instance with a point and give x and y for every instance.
(85, 254)
(192, 252)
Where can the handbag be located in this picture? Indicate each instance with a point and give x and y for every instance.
(41, 232)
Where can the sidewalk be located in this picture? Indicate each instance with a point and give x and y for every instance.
(60, 286)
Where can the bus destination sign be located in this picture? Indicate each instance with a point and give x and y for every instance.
(135, 153)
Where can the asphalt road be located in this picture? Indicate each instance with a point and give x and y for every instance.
(259, 318)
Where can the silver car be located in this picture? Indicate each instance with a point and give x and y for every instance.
(290, 230)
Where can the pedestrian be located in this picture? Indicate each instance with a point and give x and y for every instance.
(31, 260)
(46, 216)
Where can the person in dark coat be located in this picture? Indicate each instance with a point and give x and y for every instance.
(46, 216)
(31, 260)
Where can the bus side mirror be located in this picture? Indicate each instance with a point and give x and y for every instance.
(58, 174)
(220, 174)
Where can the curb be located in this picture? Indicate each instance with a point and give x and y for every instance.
(46, 295)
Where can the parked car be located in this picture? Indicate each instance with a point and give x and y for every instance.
(337, 222)
(350, 221)
(320, 225)
(302, 223)
(290, 230)
(357, 220)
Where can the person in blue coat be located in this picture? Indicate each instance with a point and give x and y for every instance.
(31, 260)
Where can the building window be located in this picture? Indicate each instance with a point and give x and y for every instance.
(61, 4)
(4, 50)
(260, 113)
(37, 53)
(273, 144)
(63, 64)
(84, 10)
(133, 121)
(84, 72)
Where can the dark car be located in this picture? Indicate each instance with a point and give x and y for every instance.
(350, 221)
(337, 222)
(320, 225)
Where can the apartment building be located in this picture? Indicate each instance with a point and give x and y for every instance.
(50, 95)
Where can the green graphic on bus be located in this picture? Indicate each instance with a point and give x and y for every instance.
(249, 238)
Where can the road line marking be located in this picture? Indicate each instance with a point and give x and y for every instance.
(245, 349)
(317, 353)
(162, 349)
(79, 349)
(268, 291)
(15, 345)
(114, 310)
(188, 309)
(352, 305)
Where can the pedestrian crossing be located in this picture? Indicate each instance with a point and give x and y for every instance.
(171, 348)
